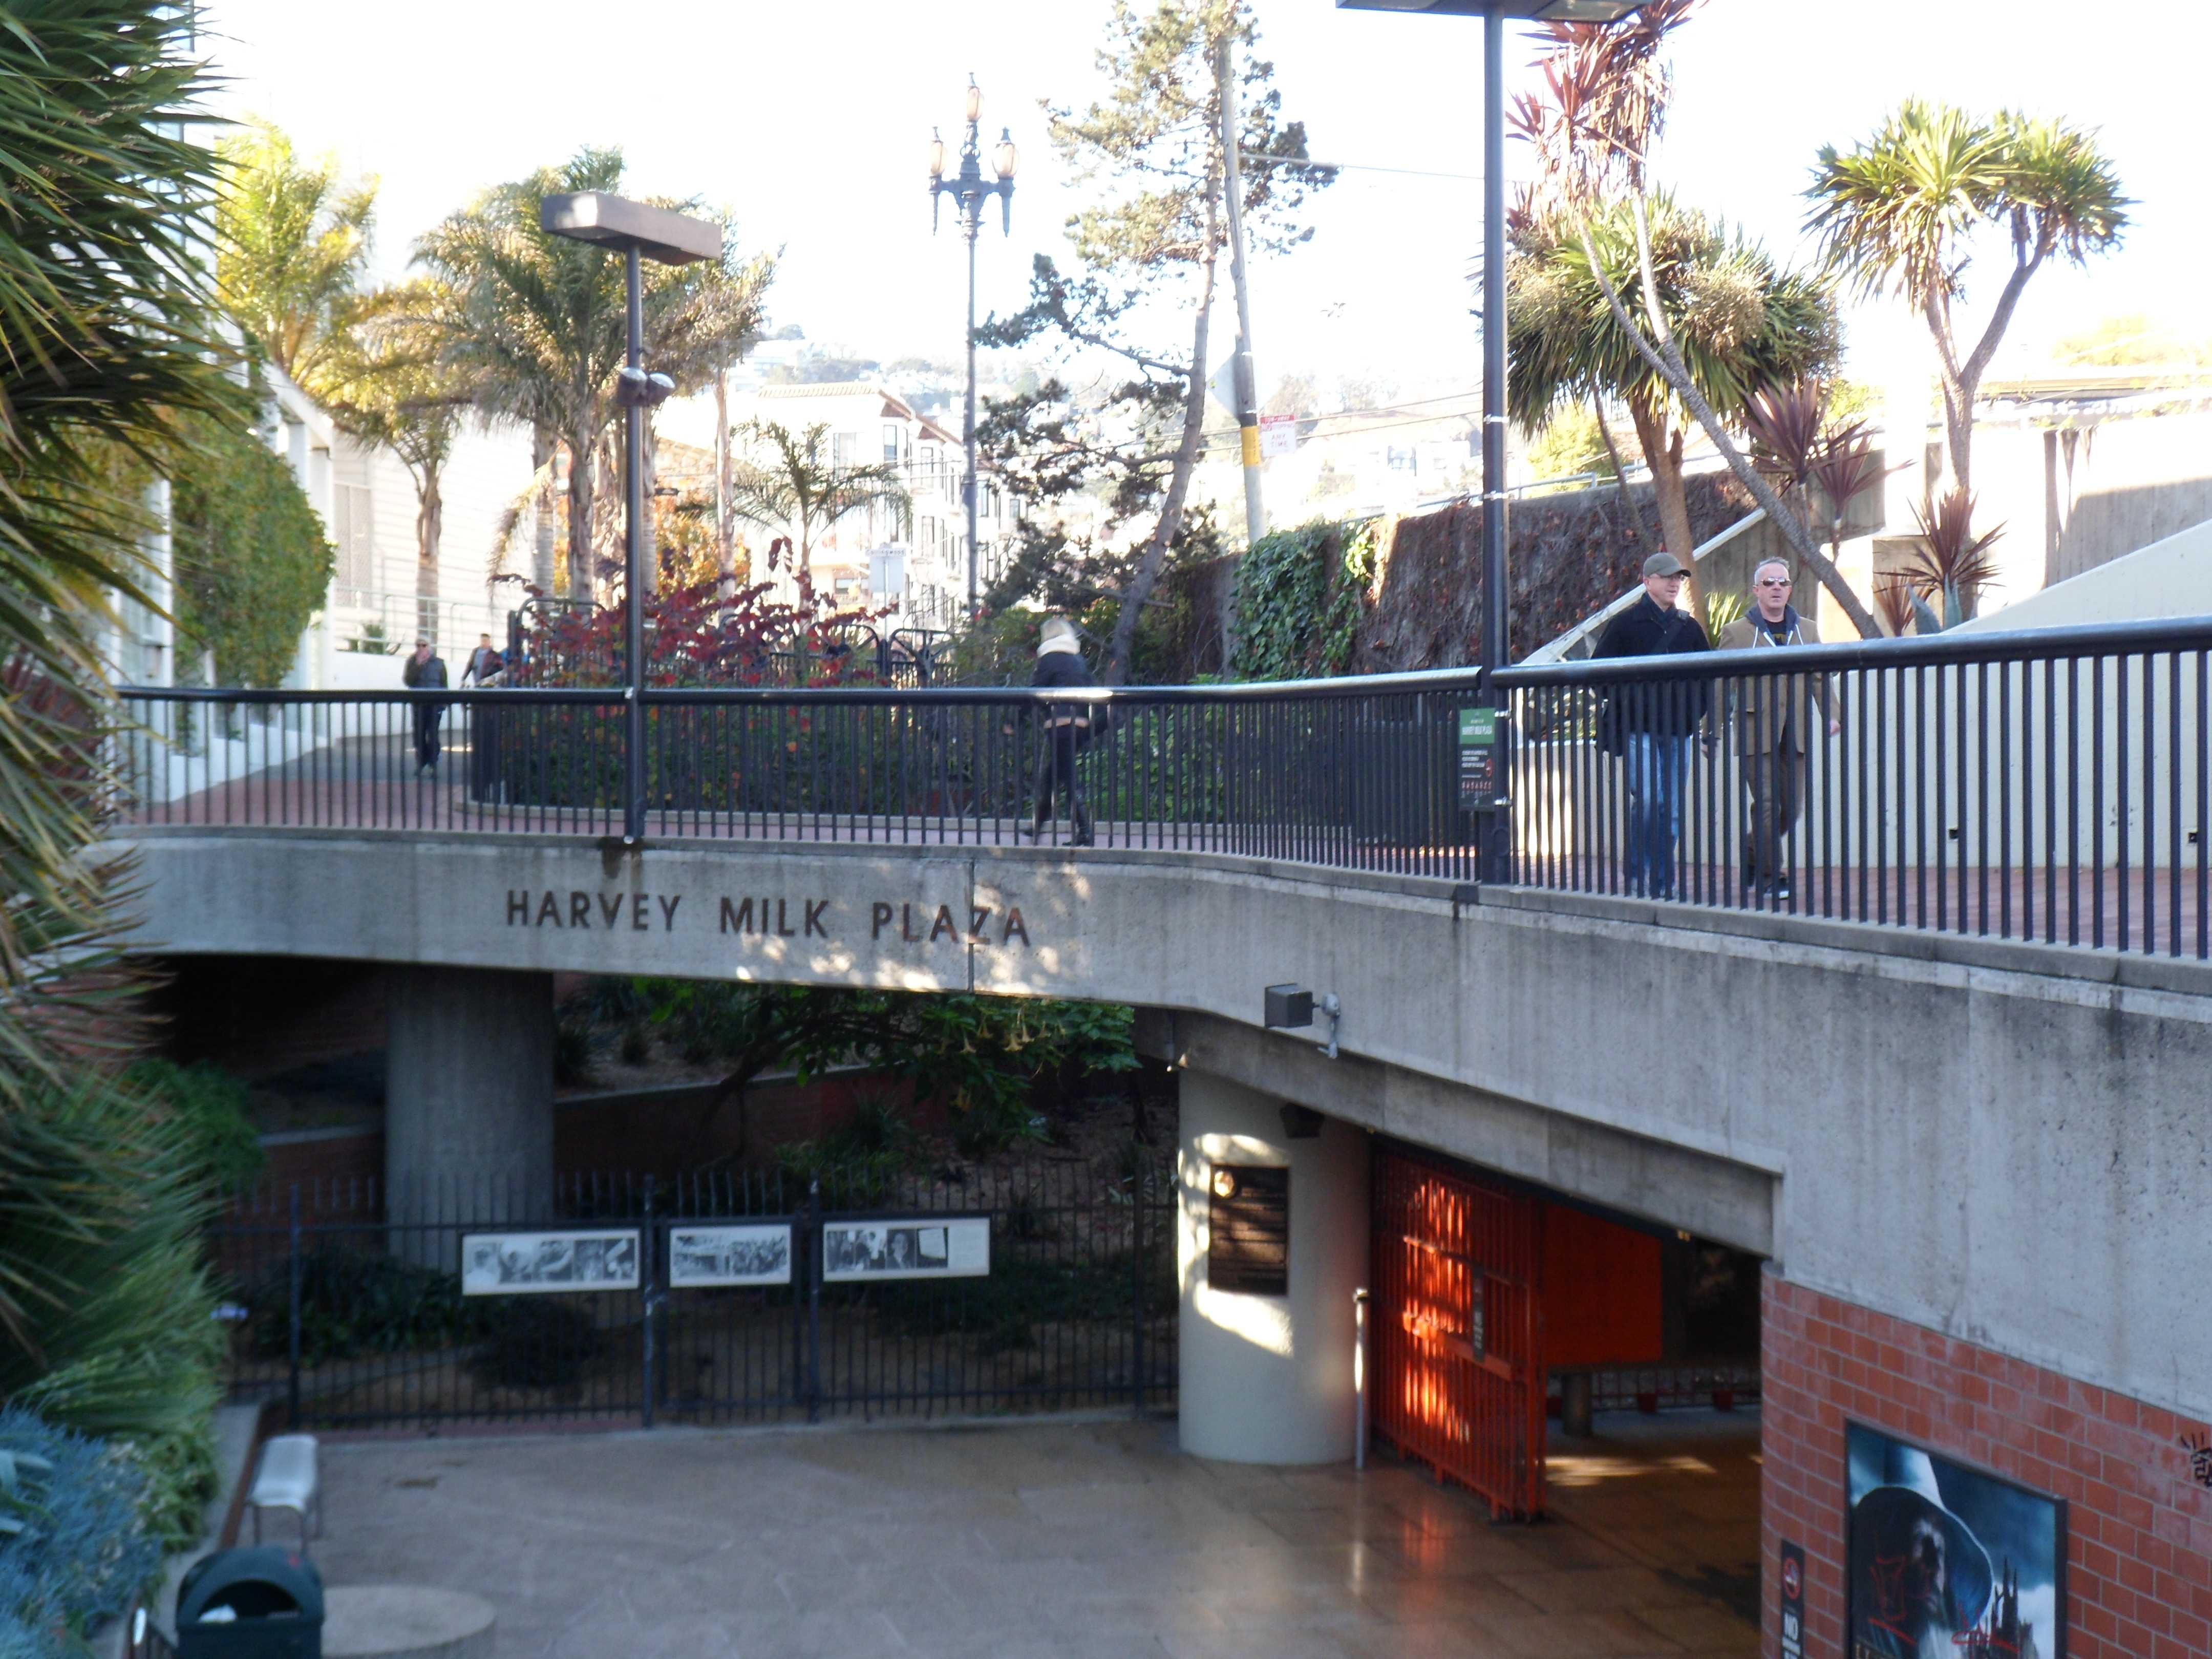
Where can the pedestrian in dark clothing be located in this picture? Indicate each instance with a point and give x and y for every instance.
(1651, 724)
(483, 663)
(1067, 729)
(426, 672)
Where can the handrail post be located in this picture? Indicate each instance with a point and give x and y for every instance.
(634, 575)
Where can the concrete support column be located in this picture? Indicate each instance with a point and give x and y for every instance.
(1269, 1379)
(468, 1099)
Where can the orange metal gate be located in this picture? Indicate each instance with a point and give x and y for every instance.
(1459, 1328)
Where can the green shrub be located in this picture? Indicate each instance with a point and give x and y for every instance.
(210, 1103)
(537, 1342)
(101, 1205)
(352, 1302)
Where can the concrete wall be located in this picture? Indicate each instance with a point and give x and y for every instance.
(1269, 1379)
(2005, 1142)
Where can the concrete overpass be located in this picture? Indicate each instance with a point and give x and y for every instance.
(1979, 1167)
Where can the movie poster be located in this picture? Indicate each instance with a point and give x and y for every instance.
(1944, 1562)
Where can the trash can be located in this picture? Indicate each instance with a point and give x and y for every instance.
(261, 1603)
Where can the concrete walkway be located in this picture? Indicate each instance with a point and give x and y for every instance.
(1058, 1541)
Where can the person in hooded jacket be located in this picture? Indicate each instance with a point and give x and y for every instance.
(1774, 713)
(1067, 729)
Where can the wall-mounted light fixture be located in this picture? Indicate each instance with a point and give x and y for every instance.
(1290, 1007)
(1300, 1122)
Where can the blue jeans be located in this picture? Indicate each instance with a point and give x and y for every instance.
(1655, 764)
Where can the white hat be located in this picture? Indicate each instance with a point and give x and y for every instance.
(1058, 634)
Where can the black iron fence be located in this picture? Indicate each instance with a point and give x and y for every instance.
(2047, 785)
(472, 1302)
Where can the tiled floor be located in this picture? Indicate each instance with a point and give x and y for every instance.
(1047, 1542)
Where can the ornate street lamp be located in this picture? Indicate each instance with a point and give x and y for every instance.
(1495, 14)
(969, 189)
(641, 232)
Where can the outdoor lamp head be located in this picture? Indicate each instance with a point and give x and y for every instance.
(635, 389)
(974, 100)
(1006, 156)
(936, 154)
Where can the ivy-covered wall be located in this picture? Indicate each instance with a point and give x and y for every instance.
(1300, 595)
(251, 562)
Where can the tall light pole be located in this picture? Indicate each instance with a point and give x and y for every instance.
(1495, 14)
(641, 232)
(969, 189)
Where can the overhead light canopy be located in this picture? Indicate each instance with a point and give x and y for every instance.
(593, 216)
(1540, 11)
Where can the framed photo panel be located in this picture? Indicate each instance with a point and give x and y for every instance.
(906, 1247)
(525, 1264)
(727, 1253)
(1941, 1557)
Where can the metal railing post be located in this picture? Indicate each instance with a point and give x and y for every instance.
(292, 1315)
(1359, 1365)
(649, 1283)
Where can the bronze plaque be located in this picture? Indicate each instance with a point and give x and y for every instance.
(1249, 1230)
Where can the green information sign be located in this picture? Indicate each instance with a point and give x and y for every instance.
(1478, 758)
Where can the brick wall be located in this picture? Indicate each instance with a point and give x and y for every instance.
(2139, 1527)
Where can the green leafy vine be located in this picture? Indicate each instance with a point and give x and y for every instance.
(1300, 595)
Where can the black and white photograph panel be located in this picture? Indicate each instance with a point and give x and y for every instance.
(755, 1254)
(517, 1264)
(921, 1247)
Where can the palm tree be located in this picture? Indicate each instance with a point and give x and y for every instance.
(1740, 323)
(538, 326)
(111, 338)
(385, 380)
(794, 485)
(1594, 127)
(291, 248)
(1895, 214)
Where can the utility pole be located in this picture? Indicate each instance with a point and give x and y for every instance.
(1247, 394)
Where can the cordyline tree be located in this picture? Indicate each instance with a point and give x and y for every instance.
(1895, 216)
(1740, 323)
(538, 326)
(1594, 126)
(700, 634)
(1151, 249)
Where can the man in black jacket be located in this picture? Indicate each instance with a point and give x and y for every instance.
(1067, 728)
(426, 672)
(1654, 722)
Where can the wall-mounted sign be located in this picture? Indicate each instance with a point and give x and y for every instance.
(1478, 758)
(906, 1247)
(1943, 1558)
(523, 1264)
(751, 1253)
(1249, 1230)
(1793, 1601)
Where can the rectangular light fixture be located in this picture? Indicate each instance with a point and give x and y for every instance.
(593, 216)
(1289, 1008)
(1537, 11)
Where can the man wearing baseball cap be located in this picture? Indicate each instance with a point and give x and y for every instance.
(1650, 723)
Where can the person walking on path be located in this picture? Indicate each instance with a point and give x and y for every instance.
(484, 663)
(1651, 724)
(1067, 729)
(1773, 711)
(426, 672)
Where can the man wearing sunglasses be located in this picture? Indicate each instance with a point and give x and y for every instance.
(1773, 711)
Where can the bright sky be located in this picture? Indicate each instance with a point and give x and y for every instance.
(811, 121)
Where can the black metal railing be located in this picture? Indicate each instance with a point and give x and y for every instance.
(1354, 773)
(2048, 786)
(355, 1312)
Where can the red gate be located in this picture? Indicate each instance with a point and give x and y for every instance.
(1459, 1329)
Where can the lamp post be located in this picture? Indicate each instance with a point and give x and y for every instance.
(641, 232)
(1495, 14)
(969, 189)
